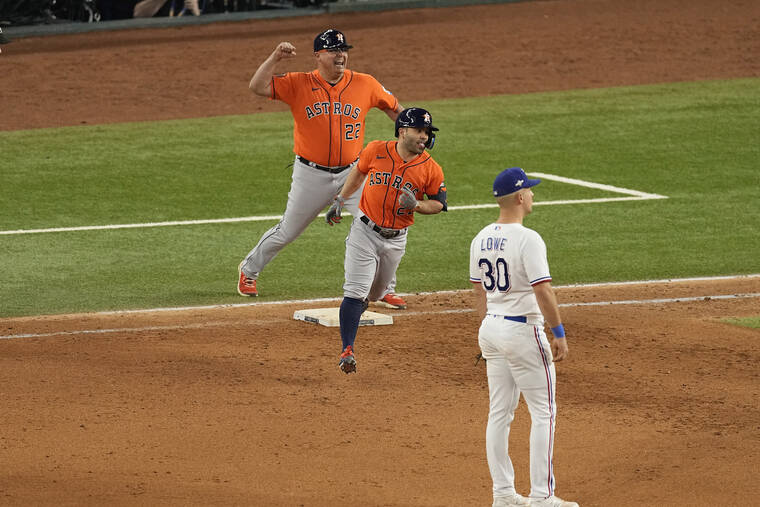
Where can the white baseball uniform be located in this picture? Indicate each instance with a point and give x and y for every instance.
(508, 260)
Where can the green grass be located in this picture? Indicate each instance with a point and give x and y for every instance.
(750, 322)
(693, 142)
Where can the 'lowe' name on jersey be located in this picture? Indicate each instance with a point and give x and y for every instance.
(320, 108)
(493, 244)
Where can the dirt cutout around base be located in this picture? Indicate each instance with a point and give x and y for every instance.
(658, 402)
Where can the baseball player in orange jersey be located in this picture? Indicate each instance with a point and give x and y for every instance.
(329, 106)
(397, 174)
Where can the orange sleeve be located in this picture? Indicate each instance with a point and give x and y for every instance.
(366, 156)
(382, 97)
(435, 179)
(282, 86)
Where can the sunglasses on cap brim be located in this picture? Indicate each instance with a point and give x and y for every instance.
(342, 49)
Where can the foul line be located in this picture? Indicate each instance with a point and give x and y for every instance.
(633, 195)
(442, 292)
(405, 314)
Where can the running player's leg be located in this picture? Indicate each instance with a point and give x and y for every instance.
(310, 191)
(389, 257)
(360, 269)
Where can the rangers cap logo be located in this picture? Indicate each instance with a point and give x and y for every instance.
(511, 180)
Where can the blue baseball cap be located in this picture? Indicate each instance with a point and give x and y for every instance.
(511, 180)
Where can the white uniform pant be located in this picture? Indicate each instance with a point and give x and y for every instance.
(519, 360)
(310, 192)
(371, 261)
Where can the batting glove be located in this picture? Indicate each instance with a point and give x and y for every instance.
(333, 214)
(407, 199)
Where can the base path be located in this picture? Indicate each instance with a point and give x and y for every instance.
(658, 405)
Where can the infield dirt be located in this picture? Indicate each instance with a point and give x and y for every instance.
(658, 402)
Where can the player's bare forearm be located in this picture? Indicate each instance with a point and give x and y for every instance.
(547, 302)
(429, 207)
(479, 300)
(261, 82)
(353, 182)
(393, 113)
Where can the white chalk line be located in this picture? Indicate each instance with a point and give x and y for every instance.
(405, 314)
(443, 292)
(176, 327)
(634, 195)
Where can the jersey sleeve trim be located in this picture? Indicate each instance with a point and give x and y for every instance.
(541, 280)
(475, 280)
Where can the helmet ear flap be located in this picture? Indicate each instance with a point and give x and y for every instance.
(431, 140)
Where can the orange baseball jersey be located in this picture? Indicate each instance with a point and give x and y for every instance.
(386, 174)
(329, 119)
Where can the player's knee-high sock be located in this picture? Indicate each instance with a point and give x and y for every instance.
(350, 313)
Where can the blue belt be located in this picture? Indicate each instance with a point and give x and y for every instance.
(524, 320)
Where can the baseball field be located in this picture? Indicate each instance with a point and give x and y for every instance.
(138, 170)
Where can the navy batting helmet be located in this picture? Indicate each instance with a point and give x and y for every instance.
(418, 118)
(331, 39)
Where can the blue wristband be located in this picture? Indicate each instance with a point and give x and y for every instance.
(559, 331)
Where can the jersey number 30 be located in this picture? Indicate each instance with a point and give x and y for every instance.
(495, 279)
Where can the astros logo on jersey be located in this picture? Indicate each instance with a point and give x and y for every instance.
(318, 108)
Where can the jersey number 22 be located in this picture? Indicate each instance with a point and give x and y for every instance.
(352, 131)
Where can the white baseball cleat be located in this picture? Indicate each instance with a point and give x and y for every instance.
(513, 500)
(551, 501)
